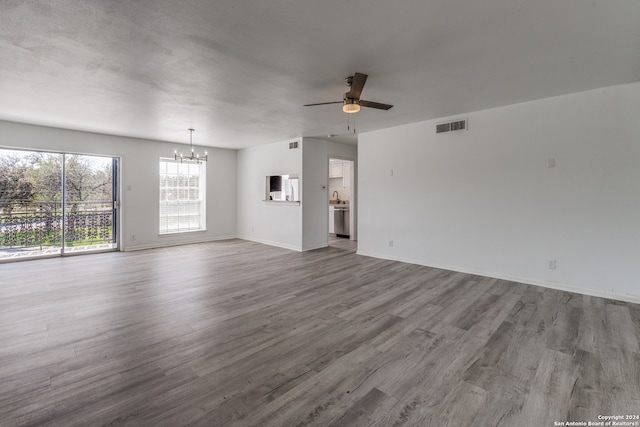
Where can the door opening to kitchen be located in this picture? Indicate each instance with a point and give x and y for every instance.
(341, 203)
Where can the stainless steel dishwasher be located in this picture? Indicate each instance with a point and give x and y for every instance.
(341, 221)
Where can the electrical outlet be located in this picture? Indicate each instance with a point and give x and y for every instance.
(551, 264)
(390, 244)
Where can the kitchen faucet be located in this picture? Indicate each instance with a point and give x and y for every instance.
(337, 195)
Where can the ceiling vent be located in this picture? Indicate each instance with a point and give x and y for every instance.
(452, 126)
(293, 145)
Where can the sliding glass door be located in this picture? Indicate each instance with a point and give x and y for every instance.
(90, 203)
(30, 204)
(56, 203)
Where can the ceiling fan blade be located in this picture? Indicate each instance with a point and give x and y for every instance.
(377, 105)
(356, 85)
(322, 103)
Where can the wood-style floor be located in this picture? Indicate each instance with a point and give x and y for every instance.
(342, 243)
(236, 333)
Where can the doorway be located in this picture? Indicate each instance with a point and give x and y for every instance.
(342, 224)
(54, 204)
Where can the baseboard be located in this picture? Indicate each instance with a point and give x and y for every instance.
(551, 285)
(271, 243)
(174, 243)
(283, 246)
(320, 246)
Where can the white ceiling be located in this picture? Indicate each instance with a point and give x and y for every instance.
(238, 71)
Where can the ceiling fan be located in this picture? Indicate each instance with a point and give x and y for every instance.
(351, 102)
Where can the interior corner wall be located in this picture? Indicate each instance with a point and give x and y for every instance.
(315, 203)
(139, 186)
(485, 201)
(273, 223)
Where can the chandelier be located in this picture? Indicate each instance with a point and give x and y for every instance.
(193, 156)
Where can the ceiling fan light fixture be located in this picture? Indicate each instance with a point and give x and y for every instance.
(351, 105)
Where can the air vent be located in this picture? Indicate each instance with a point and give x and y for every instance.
(452, 126)
(444, 127)
(293, 145)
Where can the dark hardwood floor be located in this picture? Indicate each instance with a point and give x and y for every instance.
(236, 333)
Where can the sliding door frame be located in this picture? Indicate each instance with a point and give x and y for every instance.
(116, 192)
(115, 203)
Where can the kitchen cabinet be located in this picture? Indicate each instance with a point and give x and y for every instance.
(331, 221)
(335, 170)
(341, 170)
(346, 175)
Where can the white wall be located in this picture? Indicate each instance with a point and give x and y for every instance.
(484, 201)
(301, 226)
(273, 223)
(139, 172)
(315, 182)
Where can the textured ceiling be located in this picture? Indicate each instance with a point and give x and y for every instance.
(238, 71)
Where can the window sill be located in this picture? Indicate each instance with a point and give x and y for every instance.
(173, 233)
(282, 202)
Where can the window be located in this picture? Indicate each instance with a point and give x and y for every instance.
(182, 196)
